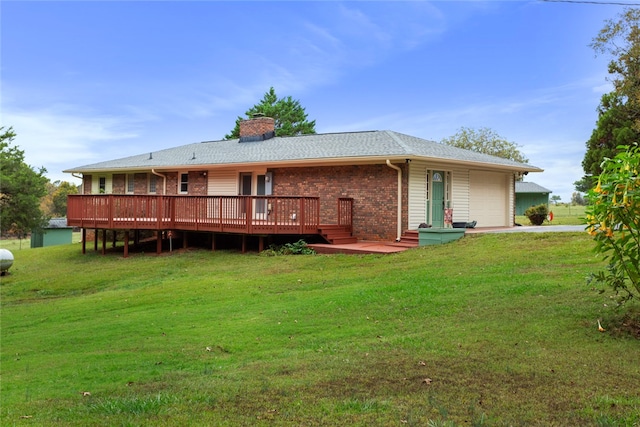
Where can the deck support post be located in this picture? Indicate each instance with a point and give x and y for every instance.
(84, 241)
(95, 240)
(213, 242)
(185, 244)
(244, 243)
(260, 243)
(114, 238)
(159, 242)
(104, 241)
(126, 243)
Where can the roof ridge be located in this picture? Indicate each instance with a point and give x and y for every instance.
(400, 142)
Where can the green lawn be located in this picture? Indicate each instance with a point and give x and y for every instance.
(496, 329)
(563, 214)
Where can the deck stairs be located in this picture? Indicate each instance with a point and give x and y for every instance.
(336, 234)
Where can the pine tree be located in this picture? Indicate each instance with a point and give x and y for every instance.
(289, 115)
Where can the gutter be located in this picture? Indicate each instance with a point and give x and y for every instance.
(399, 231)
(164, 181)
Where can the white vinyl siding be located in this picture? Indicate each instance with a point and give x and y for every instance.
(459, 187)
(222, 183)
(95, 184)
(417, 194)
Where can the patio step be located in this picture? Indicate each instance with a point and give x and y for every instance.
(336, 234)
(410, 238)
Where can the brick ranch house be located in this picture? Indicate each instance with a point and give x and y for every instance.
(370, 185)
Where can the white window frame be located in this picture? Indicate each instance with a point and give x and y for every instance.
(130, 183)
(152, 184)
(184, 183)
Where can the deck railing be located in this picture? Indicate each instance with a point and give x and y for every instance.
(231, 214)
(345, 213)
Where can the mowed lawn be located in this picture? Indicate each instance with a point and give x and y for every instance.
(563, 214)
(496, 329)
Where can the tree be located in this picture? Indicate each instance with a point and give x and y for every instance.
(21, 188)
(618, 122)
(487, 141)
(577, 199)
(555, 199)
(290, 117)
(613, 219)
(54, 204)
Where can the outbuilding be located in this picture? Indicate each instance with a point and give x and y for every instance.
(530, 194)
(57, 232)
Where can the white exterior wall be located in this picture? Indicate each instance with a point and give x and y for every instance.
(418, 192)
(222, 183)
(492, 198)
(95, 183)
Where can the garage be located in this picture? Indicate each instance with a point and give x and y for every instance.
(489, 198)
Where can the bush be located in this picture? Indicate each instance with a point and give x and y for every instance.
(298, 248)
(613, 219)
(537, 214)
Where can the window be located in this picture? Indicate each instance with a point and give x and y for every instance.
(184, 182)
(130, 183)
(102, 185)
(152, 183)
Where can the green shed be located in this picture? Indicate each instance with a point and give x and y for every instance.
(530, 194)
(57, 232)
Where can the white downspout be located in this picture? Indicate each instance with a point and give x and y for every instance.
(164, 181)
(399, 198)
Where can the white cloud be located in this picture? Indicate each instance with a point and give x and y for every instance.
(63, 136)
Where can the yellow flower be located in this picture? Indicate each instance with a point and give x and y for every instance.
(598, 188)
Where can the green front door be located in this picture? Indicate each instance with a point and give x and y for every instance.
(437, 199)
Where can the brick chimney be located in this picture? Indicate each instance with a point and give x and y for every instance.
(257, 128)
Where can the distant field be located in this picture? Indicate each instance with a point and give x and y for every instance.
(563, 214)
(20, 244)
(496, 330)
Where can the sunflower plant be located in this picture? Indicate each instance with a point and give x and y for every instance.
(613, 219)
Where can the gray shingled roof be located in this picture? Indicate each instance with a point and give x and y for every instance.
(530, 187)
(318, 147)
(58, 223)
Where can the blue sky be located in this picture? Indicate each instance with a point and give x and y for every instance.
(89, 81)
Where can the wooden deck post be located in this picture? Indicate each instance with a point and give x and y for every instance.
(95, 240)
(244, 243)
(185, 244)
(213, 242)
(260, 243)
(126, 243)
(114, 237)
(159, 242)
(104, 241)
(84, 241)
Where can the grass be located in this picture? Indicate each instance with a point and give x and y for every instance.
(489, 330)
(563, 214)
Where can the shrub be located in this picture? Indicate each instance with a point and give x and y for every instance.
(298, 248)
(613, 219)
(537, 214)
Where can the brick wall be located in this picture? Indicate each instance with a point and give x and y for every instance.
(256, 126)
(118, 183)
(140, 183)
(86, 184)
(197, 183)
(373, 188)
(172, 182)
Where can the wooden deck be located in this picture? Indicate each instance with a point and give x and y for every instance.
(244, 215)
